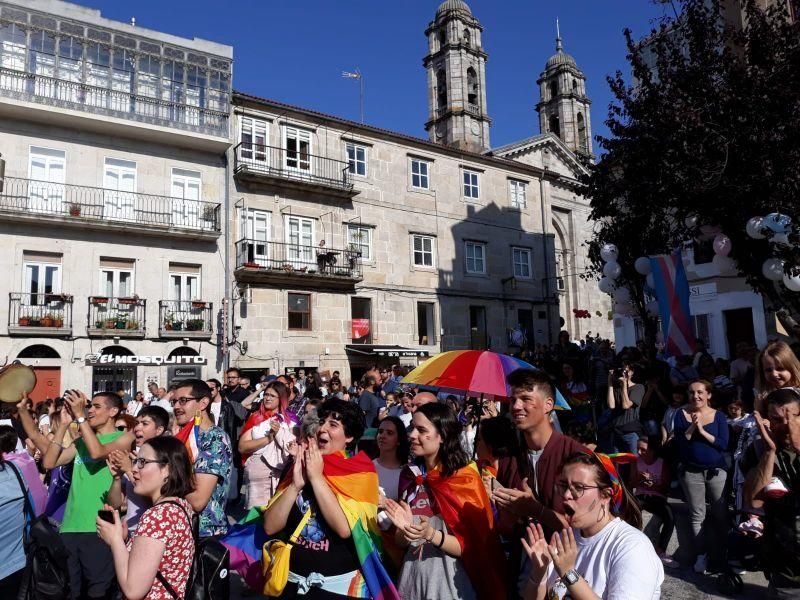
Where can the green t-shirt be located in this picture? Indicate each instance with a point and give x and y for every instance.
(91, 480)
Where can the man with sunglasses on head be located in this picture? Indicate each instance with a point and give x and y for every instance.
(213, 460)
(232, 390)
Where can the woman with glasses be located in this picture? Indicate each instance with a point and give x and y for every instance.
(154, 564)
(602, 554)
(264, 444)
(125, 423)
(445, 520)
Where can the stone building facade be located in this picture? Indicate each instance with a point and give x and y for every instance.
(111, 210)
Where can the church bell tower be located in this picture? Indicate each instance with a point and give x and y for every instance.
(456, 66)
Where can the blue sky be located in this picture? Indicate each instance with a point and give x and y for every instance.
(295, 51)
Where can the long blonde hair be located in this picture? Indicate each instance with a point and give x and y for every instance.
(784, 357)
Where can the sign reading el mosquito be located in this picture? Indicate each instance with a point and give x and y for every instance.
(99, 359)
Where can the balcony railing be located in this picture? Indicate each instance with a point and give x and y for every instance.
(116, 317)
(293, 166)
(21, 85)
(278, 260)
(83, 203)
(192, 319)
(39, 314)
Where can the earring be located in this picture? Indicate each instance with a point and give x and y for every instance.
(166, 479)
(603, 514)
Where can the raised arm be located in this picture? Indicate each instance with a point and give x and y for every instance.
(77, 402)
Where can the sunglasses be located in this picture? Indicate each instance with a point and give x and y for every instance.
(122, 428)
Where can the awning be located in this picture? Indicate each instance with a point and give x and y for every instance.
(387, 351)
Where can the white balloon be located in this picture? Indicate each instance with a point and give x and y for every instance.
(781, 238)
(642, 265)
(622, 295)
(612, 270)
(772, 269)
(609, 253)
(650, 282)
(690, 221)
(605, 285)
(754, 227)
(652, 308)
(792, 282)
(724, 264)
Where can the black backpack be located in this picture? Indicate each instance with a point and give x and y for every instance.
(208, 577)
(46, 575)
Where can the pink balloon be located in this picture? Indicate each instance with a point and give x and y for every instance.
(722, 245)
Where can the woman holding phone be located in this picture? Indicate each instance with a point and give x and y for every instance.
(264, 444)
(154, 563)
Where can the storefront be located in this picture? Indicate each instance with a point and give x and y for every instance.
(364, 356)
(116, 368)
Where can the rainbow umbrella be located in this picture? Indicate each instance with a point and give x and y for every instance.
(475, 371)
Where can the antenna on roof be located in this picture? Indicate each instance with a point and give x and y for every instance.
(133, 21)
(559, 46)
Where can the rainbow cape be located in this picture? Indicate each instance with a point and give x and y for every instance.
(354, 482)
(189, 434)
(466, 510)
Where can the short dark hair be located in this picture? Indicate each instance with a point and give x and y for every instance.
(170, 451)
(532, 379)
(215, 382)
(500, 436)
(350, 415)
(451, 453)
(233, 370)
(159, 415)
(199, 389)
(111, 400)
(8, 439)
(783, 396)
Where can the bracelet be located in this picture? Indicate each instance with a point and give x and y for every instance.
(440, 544)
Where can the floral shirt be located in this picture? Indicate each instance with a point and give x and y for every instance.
(170, 524)
(214, 458)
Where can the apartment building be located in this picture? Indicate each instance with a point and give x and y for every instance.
(112, 206)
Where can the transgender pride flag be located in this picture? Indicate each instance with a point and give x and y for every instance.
(672, 293)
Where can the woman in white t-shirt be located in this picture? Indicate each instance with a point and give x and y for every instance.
(392, 441)
(602, 554)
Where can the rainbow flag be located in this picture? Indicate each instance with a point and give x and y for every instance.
(245, 541)
(672, 293)
(189, 434)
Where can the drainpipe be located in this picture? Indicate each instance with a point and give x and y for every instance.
(226, 235)
(546, 286)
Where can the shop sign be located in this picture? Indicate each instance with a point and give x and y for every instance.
(99, 359)
(703, 290)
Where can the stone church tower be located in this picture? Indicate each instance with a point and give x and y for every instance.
(456, 66)
(564, 107)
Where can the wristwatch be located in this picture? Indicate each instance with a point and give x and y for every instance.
(571, 577)
(80, 420)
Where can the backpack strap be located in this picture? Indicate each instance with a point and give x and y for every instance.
(30, 514)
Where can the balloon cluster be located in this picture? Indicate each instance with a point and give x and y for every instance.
(721, 244)
(643, 267)
(778, 229)
(608, 282)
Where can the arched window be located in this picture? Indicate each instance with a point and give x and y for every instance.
(116, 351)
(574, 85)
(553, 89)
(442, 37)
(467, 38)
(38, 351)
(472, 87)
(555, 126)
(183, 351)
(441, 88)
(583, 140)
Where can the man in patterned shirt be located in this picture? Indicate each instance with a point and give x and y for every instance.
(214, 460)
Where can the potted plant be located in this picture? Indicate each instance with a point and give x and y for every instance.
(133, 324)
(24, 321)
(169, 321)
(75, 210)
(177, 325)
(252, 265)
(121, 321)
(35, 322)
(98, 324)
(58, 321)
(194, 325)
(98, 300)
(47, 320)
(129, 300)
(110, 323)
(198, 304)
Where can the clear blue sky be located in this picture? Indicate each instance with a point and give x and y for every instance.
(295, 50)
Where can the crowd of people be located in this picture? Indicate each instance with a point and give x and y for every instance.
(381, 490)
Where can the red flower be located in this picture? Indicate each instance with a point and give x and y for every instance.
(419, 480)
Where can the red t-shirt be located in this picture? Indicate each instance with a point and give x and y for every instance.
(168, 523)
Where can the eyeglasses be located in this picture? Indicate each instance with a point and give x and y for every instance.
(182, 401)
(139, 463)
(122, 428)
(576, 490)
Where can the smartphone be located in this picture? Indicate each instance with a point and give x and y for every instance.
(493, 484)
(106, 515)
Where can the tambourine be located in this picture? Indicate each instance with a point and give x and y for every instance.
(16, 379)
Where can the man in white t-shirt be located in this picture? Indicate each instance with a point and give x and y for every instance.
(163, 400)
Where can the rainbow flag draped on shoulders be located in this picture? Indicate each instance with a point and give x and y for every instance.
(189, 434)
(354, 482)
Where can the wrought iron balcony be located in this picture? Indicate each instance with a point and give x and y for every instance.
(279, 262)
(22, 85)
(39, 314)
(116, 317)
(188, 319)
(83, 206)
(293, 168)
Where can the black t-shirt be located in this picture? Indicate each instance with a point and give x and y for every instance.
(237, 394)
(626, 420)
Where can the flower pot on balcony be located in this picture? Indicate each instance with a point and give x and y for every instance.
(75, 210)
(47, 321)
(35, 322)
(252, 265)
(133, 325)
(194, 325)
(110, 324)
(128, 301)
(98, 324)
(198, 304)
(97, 300)
(177, 326)
(58, 322)
(24, 321)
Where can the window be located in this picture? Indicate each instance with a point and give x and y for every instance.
(122, 78)
(298, 149)
(300, 311)
(555, 126)
(116, 278)
(300, 237)
(518, 192)
(119, 183)
(12, 47)
(46, 168)
(186, 187)
(42, 57)
(441, 90)
(360, 325)
(253, 138)
(420, 170)
(583, 140)
(472, 87)
(423, 250)
(471, 185)
(521, 257)
(360, 238)
(426, 324)
(184, 283)
(357, 159)
(255, 235)
(42, 275)
(98, 74)
(148, 75)
(476, 257)
(701, 327)
(478, 339)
